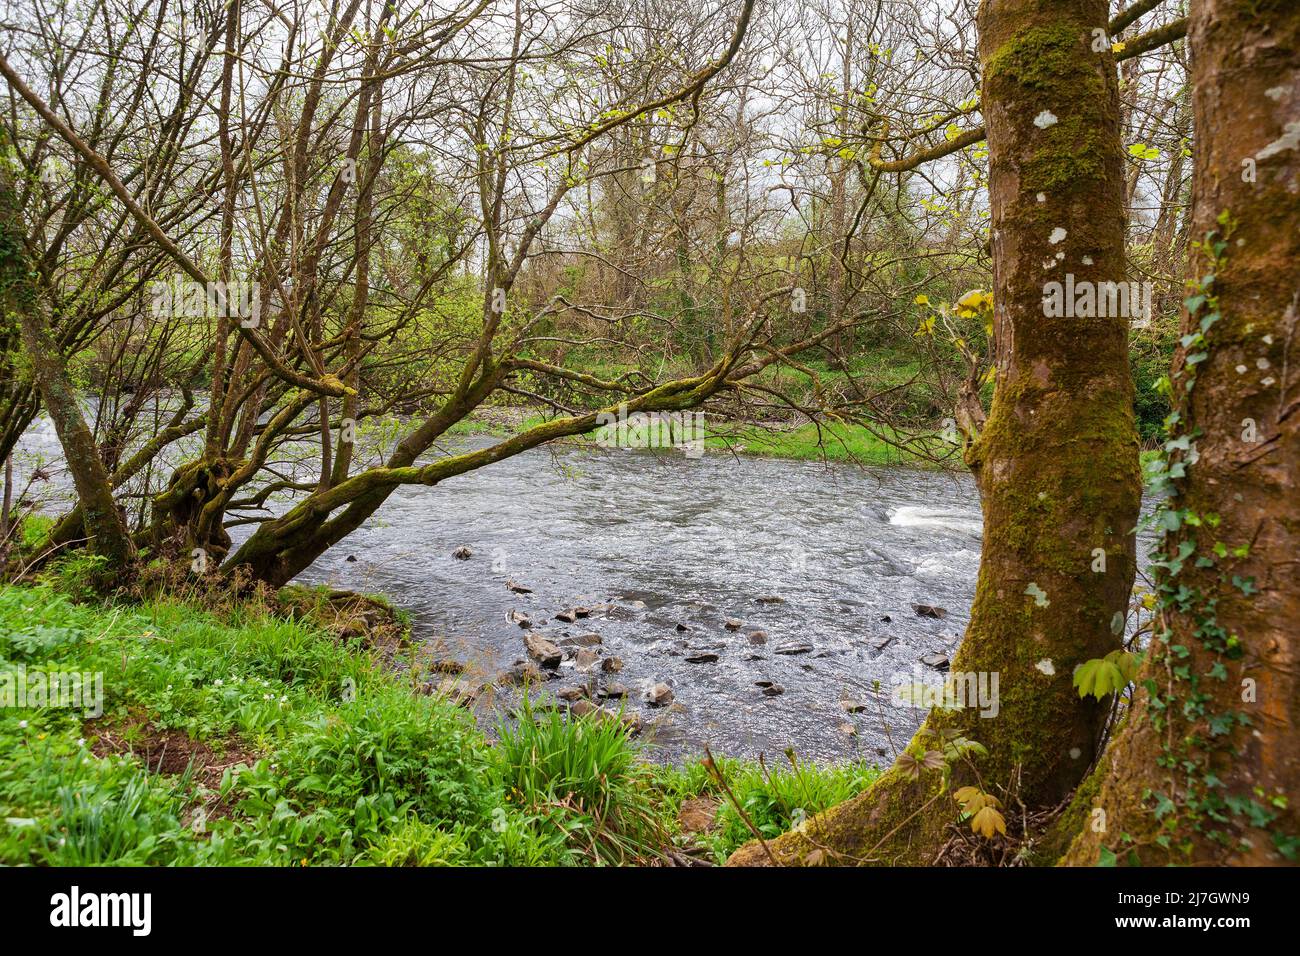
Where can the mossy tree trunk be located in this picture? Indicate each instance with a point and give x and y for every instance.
(20, 294)
(1056, 462)
(1207, 767)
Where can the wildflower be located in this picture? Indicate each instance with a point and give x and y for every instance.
(22, 725)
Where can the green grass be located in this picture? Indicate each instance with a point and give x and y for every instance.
(322, 755)
(773, 798)
(836, 442)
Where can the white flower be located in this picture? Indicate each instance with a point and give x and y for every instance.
(22, 725)
(218, 682)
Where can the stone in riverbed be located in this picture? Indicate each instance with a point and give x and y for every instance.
(659, 695)
(524, 672)
(853, 706)
(937, 661)
(929, 610)
(682, 627)
(848, 730)
(542, 650)
(733, 624)
(770, 599)
(614, 690)
(457, 691)
(793, 647)
(572, 694)
(582, 640)
(611, 665)
(462, 553)
(701, 657)
(758, 637)
(518, 588)
(770, 688)
(586, 659)
(520, 618)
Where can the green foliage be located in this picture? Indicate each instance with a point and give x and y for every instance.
(1106, 675)
(775, 799)
(581, 779)
(1149, 360)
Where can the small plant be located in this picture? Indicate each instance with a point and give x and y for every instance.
(583, 777)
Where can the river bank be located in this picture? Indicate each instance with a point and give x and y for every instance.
(827, 441)
(295, 730)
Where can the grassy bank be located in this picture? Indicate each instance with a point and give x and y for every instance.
(808, 442)
(237, 736)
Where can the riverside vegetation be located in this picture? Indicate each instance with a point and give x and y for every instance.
(235, 733)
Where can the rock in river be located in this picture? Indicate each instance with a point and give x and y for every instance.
(793, 647)
(929, 610)
(937, 661)
(542, 650)
(659, 695)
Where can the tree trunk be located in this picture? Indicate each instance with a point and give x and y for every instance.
(1207, 767)
(104, 523)
(1056, 463)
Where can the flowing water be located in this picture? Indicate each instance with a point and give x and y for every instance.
(657, 539)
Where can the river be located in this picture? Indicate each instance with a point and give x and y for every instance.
(657, 541)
